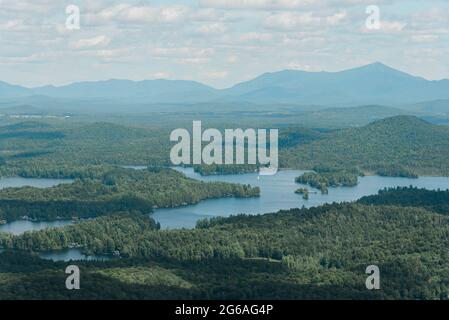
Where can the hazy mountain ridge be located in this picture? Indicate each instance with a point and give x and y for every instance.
(10, 90)
(371, 84)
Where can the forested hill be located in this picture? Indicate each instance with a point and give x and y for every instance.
(301, 253)
(396, 146)
(437, 201)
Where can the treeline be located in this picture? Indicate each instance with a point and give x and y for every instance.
(396, 171)
(11, 210)
(208, 170)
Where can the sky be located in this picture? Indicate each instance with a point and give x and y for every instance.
(216, 42)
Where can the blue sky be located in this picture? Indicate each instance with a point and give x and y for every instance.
(217, 42)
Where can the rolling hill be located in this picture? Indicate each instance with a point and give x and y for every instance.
(435, 106)
(393, 146)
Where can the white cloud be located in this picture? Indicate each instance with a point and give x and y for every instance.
(151, 15)
(96, 42)
(182, 52)
(424, 38)
(295, 20)
(232, 59)
(283, 4)
(392, 26)
(41, 57)
(12, 25)
(213, 28)
(259, 4)
(160, 75)
(387, 27)
(216, 74)
(187, 38)
(27, 6)
(256, 36)
(300, 66)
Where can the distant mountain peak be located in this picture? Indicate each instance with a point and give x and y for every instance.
(378, 67)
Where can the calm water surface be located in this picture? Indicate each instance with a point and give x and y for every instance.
(71, 254)
(277, 192)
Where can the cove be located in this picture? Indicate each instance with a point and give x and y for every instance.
(278, 193)
(17, 182)
(21, 226)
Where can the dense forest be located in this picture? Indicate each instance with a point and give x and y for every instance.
(300, 253)
(398, 146)
(411, 197)
(319, 252)
(403, 146)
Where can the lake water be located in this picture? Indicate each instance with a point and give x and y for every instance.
(18, 227)
(135, 167)
(21, 226)
(17, 182)
(277, 192)
(71, 254)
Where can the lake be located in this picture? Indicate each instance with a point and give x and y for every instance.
(277, 193)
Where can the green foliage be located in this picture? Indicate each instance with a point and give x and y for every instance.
(322, 181)
(304, 192)
(103, 235)
(301, 253)
(396, 171)
(398, 146)
(437, 201)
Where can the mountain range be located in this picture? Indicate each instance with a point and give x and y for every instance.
(371, 84)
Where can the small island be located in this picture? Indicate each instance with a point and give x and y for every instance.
(304, 192)
(323, 181)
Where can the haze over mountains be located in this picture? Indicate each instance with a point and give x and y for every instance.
(371, 84)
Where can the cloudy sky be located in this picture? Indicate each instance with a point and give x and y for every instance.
(217, 42)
